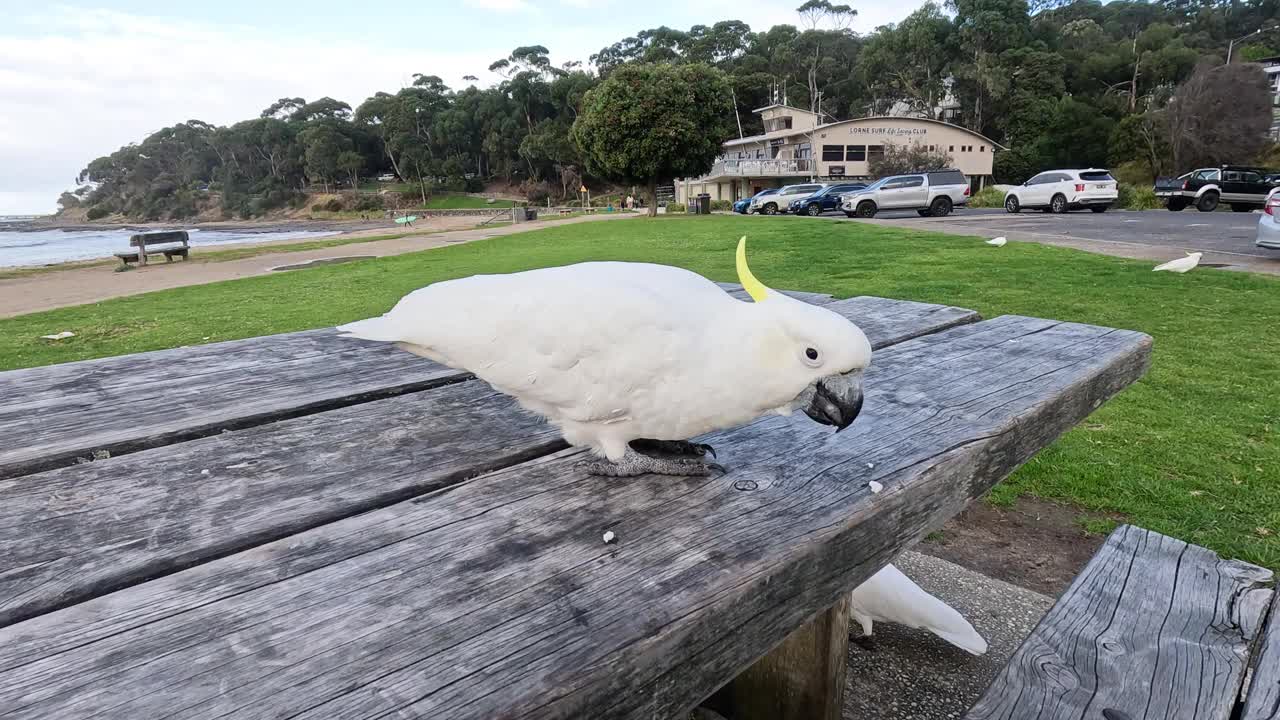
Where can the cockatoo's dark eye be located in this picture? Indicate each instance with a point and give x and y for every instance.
(811, 353)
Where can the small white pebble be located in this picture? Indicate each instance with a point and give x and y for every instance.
(609, 537)
(875, 486)
(870, 465)
(204, 472)
(204, 338)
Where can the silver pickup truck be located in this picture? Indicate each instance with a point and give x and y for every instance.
(933, 193)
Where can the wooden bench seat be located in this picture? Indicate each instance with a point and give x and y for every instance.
(1152, 628)
(171, 244)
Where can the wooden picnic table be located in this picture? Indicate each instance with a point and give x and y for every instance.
(307, 526)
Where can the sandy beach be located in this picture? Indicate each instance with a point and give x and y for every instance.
(80, 285)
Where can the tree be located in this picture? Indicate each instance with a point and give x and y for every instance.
(351, 162)
(1221, 114)
(647, 123)
(910, 158)
(323, 145)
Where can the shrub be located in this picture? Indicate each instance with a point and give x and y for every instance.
(1137, 198)
(535, 191)
(334, 205)
(987, 197)
(721, 205)
(97, 212)
(318, 207)
(369, 202)
(675, 207)
(474, 185)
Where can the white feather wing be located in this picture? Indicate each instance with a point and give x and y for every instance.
(582, 342)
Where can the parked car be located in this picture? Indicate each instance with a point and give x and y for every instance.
(744, 205)
(1269, 223)
(1058, 191)
(933, 193)
(386, 177)
(1243, 188)
(825, 200)
(781, 200)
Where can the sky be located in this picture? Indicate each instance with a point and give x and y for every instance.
(77, 81)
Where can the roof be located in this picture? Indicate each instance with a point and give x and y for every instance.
(975, 133)
(788, 133)
(781, 105)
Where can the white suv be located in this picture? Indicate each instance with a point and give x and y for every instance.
(781, 200)
(1058, 191)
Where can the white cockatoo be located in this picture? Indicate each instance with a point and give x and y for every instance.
(998, 242)
(1180, 265)
(890, 596)
(631, 360)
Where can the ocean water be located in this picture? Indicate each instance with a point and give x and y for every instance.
(41, 247)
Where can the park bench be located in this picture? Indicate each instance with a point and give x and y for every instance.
(308, 526)
(171, 244)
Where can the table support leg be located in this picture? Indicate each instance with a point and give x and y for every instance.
(801, 679)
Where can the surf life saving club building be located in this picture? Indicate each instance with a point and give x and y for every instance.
(796, 148)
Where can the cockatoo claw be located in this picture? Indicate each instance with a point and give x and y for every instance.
(634, 463)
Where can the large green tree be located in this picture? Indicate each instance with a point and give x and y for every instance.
(650, 123)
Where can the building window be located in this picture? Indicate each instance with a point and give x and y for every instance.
(982, 148)
(952, 149)
(832, 153)
(875, 152)
(855, 153)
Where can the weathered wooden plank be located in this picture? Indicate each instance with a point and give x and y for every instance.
(885, 321)
(83, 530)
(51, 415)
(1151, 628)
(497, 598)
(1263, 699)
(801, 679)
(80, 531)
(813, 298)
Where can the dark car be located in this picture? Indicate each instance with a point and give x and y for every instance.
(1243, 188)
(825, 200)
(745, 203)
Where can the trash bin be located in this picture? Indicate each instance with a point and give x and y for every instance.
(704, 204)
(530, 214)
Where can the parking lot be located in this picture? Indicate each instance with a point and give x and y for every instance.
(1226, 238)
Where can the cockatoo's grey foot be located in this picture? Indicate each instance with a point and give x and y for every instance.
(672, 448)
(866, 642)
(634, 463)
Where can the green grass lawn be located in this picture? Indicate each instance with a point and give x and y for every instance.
(1191, 450)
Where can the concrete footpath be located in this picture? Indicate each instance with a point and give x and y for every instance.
(906, 674)
(77, 286)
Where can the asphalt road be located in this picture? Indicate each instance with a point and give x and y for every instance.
(1222, 233)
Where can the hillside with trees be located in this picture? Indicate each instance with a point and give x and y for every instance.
(1132, 84)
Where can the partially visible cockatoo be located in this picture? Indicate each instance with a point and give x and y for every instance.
(998, 242)
(631, 360)
(890, 596)
(1180, 265)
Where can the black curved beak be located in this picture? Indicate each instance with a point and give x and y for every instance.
(837, 400)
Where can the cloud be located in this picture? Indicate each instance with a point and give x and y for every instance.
(80, 84)
(502, 5)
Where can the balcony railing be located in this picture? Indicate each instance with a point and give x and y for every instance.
(761, 168)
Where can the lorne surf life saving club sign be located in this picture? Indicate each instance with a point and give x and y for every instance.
(887, 131)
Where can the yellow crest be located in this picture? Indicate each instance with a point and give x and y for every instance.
(754, 287)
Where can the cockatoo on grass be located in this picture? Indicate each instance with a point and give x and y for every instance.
(1180, 265)
(890, 596)
(998, 242)
(631, 360)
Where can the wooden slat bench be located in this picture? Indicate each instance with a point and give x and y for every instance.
(1151, 628)
(380, 536)
(171, 244)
